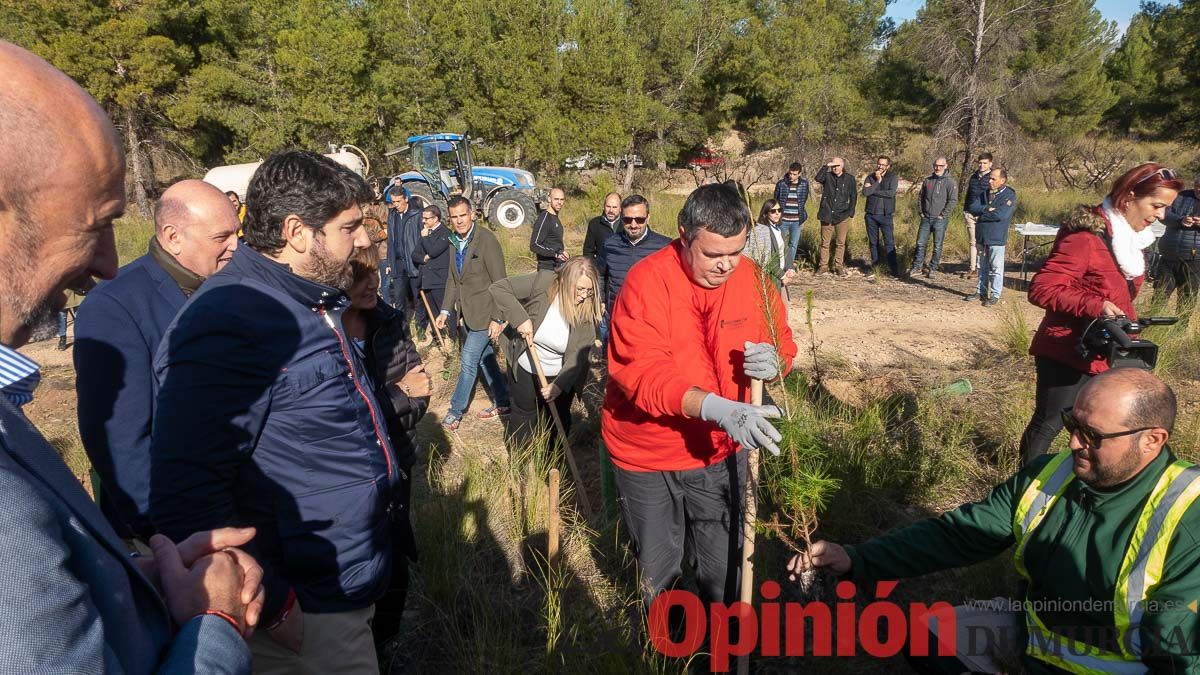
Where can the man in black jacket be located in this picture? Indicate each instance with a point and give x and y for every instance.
(431, 256)
(839, 195)
(546, 241)
(880, 190)
(598, 228)
(976, 201)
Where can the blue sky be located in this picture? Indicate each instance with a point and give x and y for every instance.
(1114, 10)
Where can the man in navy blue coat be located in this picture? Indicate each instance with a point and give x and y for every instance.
(622, 250)
(117, 331)
(266, 417)
(74, 599)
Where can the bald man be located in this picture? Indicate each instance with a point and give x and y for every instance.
(1107, 541)
(546, 242)
(603, 225)
(117, 331)
(75, 600)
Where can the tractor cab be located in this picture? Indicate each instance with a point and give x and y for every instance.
(444, 160)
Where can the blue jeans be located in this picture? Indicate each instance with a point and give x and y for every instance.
(880, 227)
(991, 271)
(62, 324)
(938, 225)
(385, 284)
(603, 329)
(791, 230)
(477, 351)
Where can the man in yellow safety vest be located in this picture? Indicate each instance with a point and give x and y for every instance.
(1105, 543)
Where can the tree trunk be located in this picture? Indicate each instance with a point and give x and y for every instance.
(660, 145)
(974, 104)
(627, 183)
(137, 164)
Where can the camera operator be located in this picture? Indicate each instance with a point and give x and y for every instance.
(1180, 248)
(1094, 269)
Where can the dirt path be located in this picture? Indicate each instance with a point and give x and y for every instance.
(891, 323)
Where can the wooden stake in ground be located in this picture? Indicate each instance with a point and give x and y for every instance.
(562, 431)
(429, 313)
(552, 528)
(749, 518)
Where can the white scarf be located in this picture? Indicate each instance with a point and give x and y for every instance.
(1127, 245)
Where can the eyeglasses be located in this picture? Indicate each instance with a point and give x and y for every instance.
(939, 166)
(775, 210)
(629, 220)
(1088, 435)
(587, 292)
(1166, 174)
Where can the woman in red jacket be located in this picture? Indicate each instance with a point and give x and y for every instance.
(1094, 269)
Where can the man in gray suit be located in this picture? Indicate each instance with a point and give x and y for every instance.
(74, 598)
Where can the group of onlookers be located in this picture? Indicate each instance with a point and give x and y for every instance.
(987, 209)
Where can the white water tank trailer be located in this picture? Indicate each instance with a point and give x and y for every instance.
(236, 177)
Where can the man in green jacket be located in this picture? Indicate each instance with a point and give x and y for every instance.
(1106, 544)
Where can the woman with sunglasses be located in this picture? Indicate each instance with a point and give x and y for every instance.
(559, 311)
(765, 244)
(1094, 270)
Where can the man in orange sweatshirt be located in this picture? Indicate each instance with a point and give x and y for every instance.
(692, 325)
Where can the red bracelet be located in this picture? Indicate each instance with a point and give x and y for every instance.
(216, 612)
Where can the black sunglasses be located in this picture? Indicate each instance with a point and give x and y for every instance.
(629, 220)
(1088, 435)
(775, 210)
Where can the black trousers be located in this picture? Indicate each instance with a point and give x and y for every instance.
(1057, 386)
(420, 316)
(694, 515)
(434, 296)
(528, 413)
(1184, 276)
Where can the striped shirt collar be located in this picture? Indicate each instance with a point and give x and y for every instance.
(19, 376)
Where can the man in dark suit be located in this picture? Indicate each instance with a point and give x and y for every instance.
(117, 331)
(477, 261)
(75, 599)
(432, 257)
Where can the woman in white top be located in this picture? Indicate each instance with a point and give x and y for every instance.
(765, 244)
(559, 310)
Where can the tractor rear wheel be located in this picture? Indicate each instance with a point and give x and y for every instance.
(511, 209)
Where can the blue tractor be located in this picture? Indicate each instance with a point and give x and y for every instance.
(444, 167)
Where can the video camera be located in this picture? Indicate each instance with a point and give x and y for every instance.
(1117, 339)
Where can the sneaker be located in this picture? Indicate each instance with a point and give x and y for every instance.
(842, 272)
(972, 298)
(871, 276)
(912, 273)
(493, 412)
(820, 273)
(62, 343)
(451, 423)
(931, 275)
(991, 302)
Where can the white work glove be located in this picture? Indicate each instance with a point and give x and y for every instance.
(745, 423)
(761, 362)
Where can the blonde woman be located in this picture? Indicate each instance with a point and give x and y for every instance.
(560, 312)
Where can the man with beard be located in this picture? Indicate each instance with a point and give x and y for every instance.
(117, 331)
(1106, 539)
(603, 225)
(266, 416)
(76, 601)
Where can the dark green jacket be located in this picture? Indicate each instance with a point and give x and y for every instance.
(1073, 555)
(527, 297)
(467, 290)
